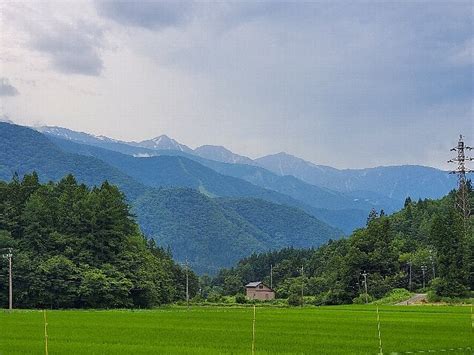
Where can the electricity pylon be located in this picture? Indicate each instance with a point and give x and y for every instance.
(462, 196)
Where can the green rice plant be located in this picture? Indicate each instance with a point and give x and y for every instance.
(228, 330)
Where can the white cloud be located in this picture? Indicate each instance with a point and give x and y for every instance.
(256, 78)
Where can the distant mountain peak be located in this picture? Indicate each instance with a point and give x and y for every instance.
(222, 154)
(163, 142)
(210, 146)
(163, 137)
(286, 164)
(284, 155)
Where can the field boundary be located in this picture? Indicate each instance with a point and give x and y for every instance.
(45, 333)
(432, 351)
(253, 329)
(380, 334)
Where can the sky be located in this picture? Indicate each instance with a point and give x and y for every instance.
(347, 84)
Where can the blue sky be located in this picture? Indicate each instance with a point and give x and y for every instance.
(347, 84)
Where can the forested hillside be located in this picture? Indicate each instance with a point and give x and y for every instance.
(166, 215)
(425, 233)
(213, 233)
(74, 247)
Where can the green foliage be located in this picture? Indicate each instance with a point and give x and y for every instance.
(215, 233)
(79, 247)
(453, 255)
(426, 234)
(362, 299)
(240, 298)
(394, 296)
(295, 300)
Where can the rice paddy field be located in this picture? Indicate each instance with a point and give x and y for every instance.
(220, 330)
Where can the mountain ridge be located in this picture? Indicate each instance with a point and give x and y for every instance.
(25, 150)
(388, 185)
(222, 154)
(223, 179)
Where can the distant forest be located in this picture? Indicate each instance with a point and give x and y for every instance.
(79, 247)
(425, 235)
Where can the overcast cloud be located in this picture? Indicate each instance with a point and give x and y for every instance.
(7, 89)
(343, 84)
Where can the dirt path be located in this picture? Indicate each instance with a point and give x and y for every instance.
(416, 298)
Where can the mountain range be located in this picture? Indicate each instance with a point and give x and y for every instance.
(385, 186)
(231, 180)
(258, 204)
(183, 205)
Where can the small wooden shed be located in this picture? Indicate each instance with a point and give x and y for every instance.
(259, 291)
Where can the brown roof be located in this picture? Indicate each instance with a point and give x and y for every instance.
(256, 284)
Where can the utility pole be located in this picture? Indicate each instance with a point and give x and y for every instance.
(187, 283)
(423, 270)
(462, 198)
(409, 280)
(365, 285)
(302, 285)
(9, 256)
(271, 276)
(186, 268)
(432, 264)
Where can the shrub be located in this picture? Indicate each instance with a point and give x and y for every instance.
(214, 297)
(395, 296)
(362, 298)
(197, 299)
(449, 288)
(433, 297)
(240, 298)
(294, 300)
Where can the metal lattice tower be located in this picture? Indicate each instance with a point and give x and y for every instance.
(462, 198)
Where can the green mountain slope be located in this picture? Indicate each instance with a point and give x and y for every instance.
(211, 234)
(179, 169)
(23, 150)
(214, 232)
(281, 223)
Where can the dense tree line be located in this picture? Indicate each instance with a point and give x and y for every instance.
(425, 235)
(76, 246)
